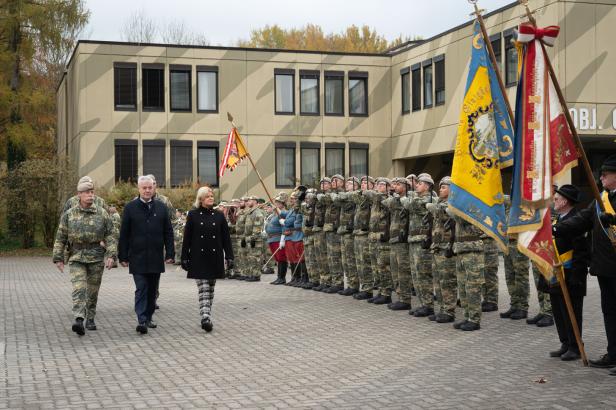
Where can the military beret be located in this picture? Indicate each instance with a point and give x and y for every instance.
(609, 165)
(383, 180)
(337, 176)
(326, 179)
(368, 178)
(260, 200)
(445, 181)
(424, 177)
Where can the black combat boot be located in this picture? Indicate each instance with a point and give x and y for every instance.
(90, 325)
(78, 326)
(293, 275)
(281, 274)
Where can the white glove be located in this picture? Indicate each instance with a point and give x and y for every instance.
(282, 241)
(281, 221)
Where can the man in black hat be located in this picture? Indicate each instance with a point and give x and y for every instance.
(573, 253)
(603, 253)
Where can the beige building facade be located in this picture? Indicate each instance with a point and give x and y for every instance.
(126, 109)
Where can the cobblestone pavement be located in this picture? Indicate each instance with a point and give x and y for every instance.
(275, 347)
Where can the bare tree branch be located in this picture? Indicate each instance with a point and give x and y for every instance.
(139, 28)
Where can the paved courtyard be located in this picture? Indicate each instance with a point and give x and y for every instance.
(275, 347)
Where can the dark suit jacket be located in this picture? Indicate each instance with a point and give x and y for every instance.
(575, 277)
(207, 244)
(145, 236)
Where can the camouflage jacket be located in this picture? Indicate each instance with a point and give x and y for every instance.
(308, 210)
(255, 219)
(361, 219)
(347, 212)
(87, 233)
(332, 211)
(240, 222)
(440, 236)
(468, 237)
(117, 221)
(379, 217)
(74, 201)
(399, 219)
(319, 213)
(170, 208)
(416, 204)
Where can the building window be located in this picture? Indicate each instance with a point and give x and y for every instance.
(207, 162)
(125, 160)
(427, 83)
(181, 163)
(310, 163)
(416, 80)
(125, 86)
(334, 93)
(284, 91)
(334, 159)
(285, 164)
(495, 40)
(180, 91)
(207, 89)
(153, 87)
(358, 93)
(439, 80)
(154, 160)
(511, 60)
(358, 159)
(309, 92)
(405, 81)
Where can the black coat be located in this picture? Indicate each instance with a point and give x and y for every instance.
(207, 244)
(602, 253)
(145, 235)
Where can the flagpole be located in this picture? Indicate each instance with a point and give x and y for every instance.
(488, 44)
(559, 269)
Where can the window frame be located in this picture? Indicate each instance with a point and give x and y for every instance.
(285, 145)
(124, 65)
(179, 143)
(440, 59)
(336, 146)
(309, 145)
(406, 71)
(152, 66)
(125, 142)
(289, 72)
(508, 35)
(310, 74)
(359, 146)
(180, 68)
(160, 179)
(497, 39)
(333, 75)
(424, 66)
(208, 69)
(209, 145)
(358, 75)
(416, 69)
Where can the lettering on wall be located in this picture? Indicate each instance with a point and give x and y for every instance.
(585, 119)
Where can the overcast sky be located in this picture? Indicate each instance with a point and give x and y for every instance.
(225, 21)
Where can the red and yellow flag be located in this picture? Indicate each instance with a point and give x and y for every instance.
(235, 152)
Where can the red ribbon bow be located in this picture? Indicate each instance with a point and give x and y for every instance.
(547, 35)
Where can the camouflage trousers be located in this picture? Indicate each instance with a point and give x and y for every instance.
(469, 274)
(178, 250)
(320, 248)
(334, 258)
(445, 282)
(400, 267)
(421, 270)
(516, 276)
(86, 279)
(361, 244)
(254, 259)
(545, 306)
(310, 256)
(490, 271)
(379, 256)
(349, 265)
(240, 261)
(265, 256)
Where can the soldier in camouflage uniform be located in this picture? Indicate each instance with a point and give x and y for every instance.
(361, 243)
(399, 247)
(320, 244)
(544, 318)
(308, 210)
(74, 200)
(178, 234)
(332, 239)
(117, 221)
(255, 218)
(379, 242)
(240, 263)
(419, 248)
(88, 233)
(232, 221)
(345, 230)
(490, 289)
(444, 262)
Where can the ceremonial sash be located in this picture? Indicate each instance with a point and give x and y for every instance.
(610, 231)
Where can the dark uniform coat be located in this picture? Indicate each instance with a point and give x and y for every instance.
(146, 237)
(575, 276)
(206, 245)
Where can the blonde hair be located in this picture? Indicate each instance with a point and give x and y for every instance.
(204, 190)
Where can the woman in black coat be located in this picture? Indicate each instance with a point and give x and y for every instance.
(206, 245)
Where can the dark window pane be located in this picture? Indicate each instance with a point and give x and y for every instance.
(358, 162)
(358, 98)
(285, 167)
(207, 90)
(334, 161)
(284, 93)
(334, 89)
(511, 62)
(439, 82)
(406, 92)
(125, 87)
(309, 95)
(310, 173)
(154, 162)
(153, 88)
(416, 90)
(180, 90)
(126, 163)
(181, 165)
(427, 84)
(498, 53)
(208, 166)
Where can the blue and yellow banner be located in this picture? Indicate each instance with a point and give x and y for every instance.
(484, 146)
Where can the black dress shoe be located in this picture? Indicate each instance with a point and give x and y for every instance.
(432, 317)
(78, 327)
(570, 355)
(546, 321)
(362, 295)
(206, 324)
(151, 324)
(333, 289)
(519, 314)
(399, 305)
(613, 372)
(470, 326)
(605, 362)
(444, 318)
(142, 328)
(349, 292)
(489, 307)
(90, 325)
(535, 319)
(507, 314)
(559, 352)
(424, 311)
(459, 323)
(382, 300)
(157, 307)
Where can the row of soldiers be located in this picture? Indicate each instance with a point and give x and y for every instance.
(380, 236)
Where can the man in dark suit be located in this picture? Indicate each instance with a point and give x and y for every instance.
(603, 253)
(146, 235)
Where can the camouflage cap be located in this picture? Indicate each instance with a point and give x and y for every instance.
(400, 180)
(353, 179)
(411, 176)
(85, 184)
(445, 181)
(235, 200)
(338, 176)
(383, 180)
(326, 179)
(425, 177)
(282, 197)
(244, 198)
(252, 197)
(367, 177)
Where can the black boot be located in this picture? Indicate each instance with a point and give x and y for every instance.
(282, 268)
(78, 327)
(293, 273)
